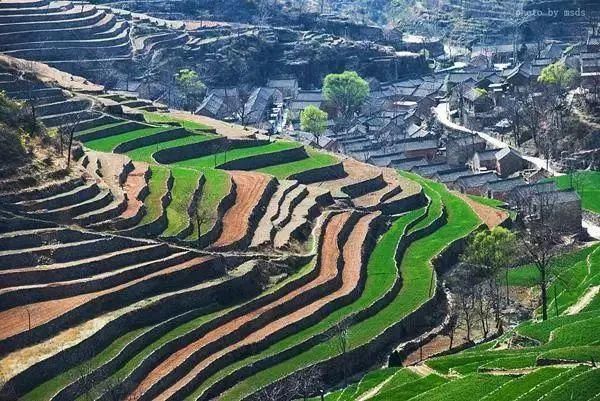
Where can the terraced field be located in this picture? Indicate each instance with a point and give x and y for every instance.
(177, 263)
(555, 359)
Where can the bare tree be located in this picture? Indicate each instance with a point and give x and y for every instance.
(67, 131)
(541, 236)
(340, 343)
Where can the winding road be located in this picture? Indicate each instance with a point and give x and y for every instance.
(442, 112)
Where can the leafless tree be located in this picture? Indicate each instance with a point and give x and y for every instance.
(542, 234)
(202, 217)
(67, 132)
(26, 76)
(340, 343)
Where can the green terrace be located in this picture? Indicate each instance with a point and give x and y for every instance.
(555, 362)
(145, 153)
(217, 154)
(315, 159)
(197, 319)
(382, 272)
(214, 160)
(165, 118)
(142, 143)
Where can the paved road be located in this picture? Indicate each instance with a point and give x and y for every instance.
(442, 113)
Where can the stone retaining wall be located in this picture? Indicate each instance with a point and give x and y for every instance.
(173, 305)
(191, 151)
(266, 159)
(319, 174)
(159, 137)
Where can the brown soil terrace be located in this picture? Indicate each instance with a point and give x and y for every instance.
(49, 75)
(490, 216)
(249, 189)
(135, 182)
(328, 271)
(357, 172)
(351, 273)
(15, 320)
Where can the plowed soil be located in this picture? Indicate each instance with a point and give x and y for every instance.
(236, 222)
(328, 271)
(16, 320)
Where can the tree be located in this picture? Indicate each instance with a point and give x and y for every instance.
(495, 250)
(314, 120)
(541, 235)
(67, 131)
(191, 86)
(559, 76)
(346, 92)
(340, 344)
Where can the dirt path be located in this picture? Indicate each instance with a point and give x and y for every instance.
(584, 301)
(328, 271)
(135, 182)
(375, 390)
(236, 222)
(421, 369)
(490, 216)
(223, 128)
(16, 320)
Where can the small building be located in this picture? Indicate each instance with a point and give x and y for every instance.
(220, 103)
(477, 101)
(260, 104)
(508, 162)
(475, 184)
(304, 99)
(408, 163)
(287, 86)
(430, 170)
(425, 147)
(460, 149)
(501, 189)
(322, 142)
(485, 160)
(450, 176)
(561, 209)
(593, 44)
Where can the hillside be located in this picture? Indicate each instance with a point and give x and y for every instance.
(551, 360)
(282, 239)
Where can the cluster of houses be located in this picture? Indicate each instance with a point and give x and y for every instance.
(396, 127)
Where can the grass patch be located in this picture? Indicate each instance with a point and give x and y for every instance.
(145, 153)
(587, 185)
(519, 386)
(108, 144)
(216, 187)
(411, 389)
(528, 275)
(417, 277)
(216, 159)
(158, 188)
(495, 203)
(315, 160)
(100, 128)
(48, 389)
(184, 185)
(472, 387)
(166, 118)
